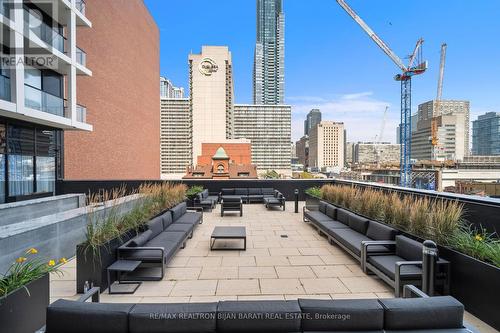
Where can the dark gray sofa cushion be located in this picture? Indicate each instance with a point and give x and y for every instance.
(227, 191)
(166, 238)
(65, 316)
(387, 264)
(241, 191)
(173, 318)
(358, 223)
(141, 239)
(328, 226)
(316, 216)
(255, 191)
(190, 218)
(331, 211)
(343, 216)
(408, 248)
(341, 315)
(379, 231)
(266, 191)
(322, 207)
(182, 227)
(422, 313)
(352, 240)
(178, 211)
(442, 330)
(156, 226)
(258, 316)
(167, 219)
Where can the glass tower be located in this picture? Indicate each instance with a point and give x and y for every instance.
(269, 62)
(486, 134)
(313, 118)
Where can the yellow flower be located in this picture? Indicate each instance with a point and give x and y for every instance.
(478, 238)
(63, 261)
(52, 262)
(21, 259)
(32, 251)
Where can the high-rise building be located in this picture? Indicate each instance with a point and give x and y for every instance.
(349, 156)
(269, 129)
(39, 99)
(379, 152)
(122, 97)
(302, 148)
(211, 96)
(486, 134)
(326, 146)
(269, 58)
(175, 137)
(168, 90)
(313, 118)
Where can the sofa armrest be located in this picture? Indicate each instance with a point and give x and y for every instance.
(195, 209)
(364, 250)
(93, 293)
(410, 291)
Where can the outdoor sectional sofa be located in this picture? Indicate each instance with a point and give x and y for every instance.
(165, 235)
(205, 200)
(248, 195)
(442, 314)
(396, 259)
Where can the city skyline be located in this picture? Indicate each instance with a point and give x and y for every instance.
(340, 86)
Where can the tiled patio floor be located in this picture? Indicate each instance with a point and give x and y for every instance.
(285, 259)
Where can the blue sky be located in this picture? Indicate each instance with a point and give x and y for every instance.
(331, 64)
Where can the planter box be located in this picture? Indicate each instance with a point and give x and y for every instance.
(22, 312)
(92, 266)
(312, 200)
(473, 282)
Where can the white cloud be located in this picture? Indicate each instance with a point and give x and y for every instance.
(361, 113)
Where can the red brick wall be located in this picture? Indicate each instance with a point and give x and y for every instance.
(122, 97)
(240, 153)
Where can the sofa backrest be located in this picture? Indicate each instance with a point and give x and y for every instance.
(178, 211)
(358, 223)
(240, 191)
(254, 191)
(379, 231)
(343, 216)
(342, 315)
(441, 312)
(141, 239)
(167, 219)
(331, 211)
(408, 248)
(156, 226)
(204, 193)
(267, 191)
(65, 316)
(322, 207)
(227, 191)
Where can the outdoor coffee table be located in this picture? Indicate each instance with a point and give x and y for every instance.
(228, 233)
(123, 266)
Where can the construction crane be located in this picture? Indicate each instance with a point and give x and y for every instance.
(434, 125)
(407, 72)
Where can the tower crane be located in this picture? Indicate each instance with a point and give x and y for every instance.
(434, 129)
(407, 72)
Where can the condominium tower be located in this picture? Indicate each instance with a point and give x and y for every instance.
(486, 134)
(211, 96)
(269, 58)
(168, 90)
(38, 92)
(326, 146)
(313, 118)
(269, 129)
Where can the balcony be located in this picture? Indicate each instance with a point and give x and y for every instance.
(81, 6)
(42, 30)
(81, 113)
(43, 101)
(81, 56)
(5, 88)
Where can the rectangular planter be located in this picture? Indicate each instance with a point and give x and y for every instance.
(473, 282)
(22, 312)
(92, 266)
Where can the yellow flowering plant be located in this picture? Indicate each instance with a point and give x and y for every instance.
(25, 269)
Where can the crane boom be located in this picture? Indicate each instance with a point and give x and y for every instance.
(441, 72)
(387, 50)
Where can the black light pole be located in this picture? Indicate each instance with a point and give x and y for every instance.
(429, 259)
(296, 192)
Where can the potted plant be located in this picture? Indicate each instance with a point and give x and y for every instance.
(191, 194)
(24, 293)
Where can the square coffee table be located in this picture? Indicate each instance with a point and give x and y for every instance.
(228, 233)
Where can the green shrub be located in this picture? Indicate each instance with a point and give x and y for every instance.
(314, 192)
(193, 191)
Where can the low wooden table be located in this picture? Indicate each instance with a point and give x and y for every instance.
(123, 266)
(228, 233)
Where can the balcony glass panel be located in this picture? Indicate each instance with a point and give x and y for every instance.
(42, 101)
(81, 113)
(50, 35)
(5, 9)
(81, 57)
(80, 5)
(5, 88)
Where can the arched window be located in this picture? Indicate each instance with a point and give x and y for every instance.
(220, 168)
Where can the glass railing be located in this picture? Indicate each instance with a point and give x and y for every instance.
(44, 31)
(81, 113)
(5, 88)
(5, 6)
(80, 5)
(42, 101)
(81, 56)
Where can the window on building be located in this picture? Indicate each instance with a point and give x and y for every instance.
(220, 168)
(2, 162)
